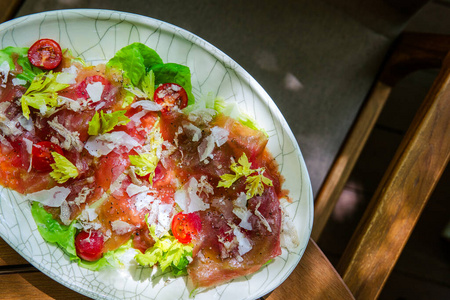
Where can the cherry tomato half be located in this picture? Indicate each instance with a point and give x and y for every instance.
(45, 54)
(81, 88)
(89, 245)
(184, 226)
(170, 95)
(42, 155)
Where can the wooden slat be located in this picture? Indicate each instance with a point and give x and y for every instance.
(8, 9)
(313, 278)
(413, 51)
(34, 286)
(337, 177)
(8, 256)
(402, 195)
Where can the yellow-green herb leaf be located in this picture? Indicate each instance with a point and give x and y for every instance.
(105, 122)
(63, 169)
(42, 94)
(243, 168)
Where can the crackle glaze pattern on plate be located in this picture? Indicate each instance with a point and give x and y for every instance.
(96, 35)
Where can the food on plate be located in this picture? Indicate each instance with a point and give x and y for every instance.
(121, 156)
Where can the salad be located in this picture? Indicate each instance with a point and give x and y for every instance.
(122, 156)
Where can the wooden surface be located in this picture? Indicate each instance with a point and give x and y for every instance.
(314, 278)
(402, 195)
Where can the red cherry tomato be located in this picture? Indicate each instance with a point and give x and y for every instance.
(81, 88)
(42, 155)
(170, 95)
(45, 54)
(184, 226)
(89, 245)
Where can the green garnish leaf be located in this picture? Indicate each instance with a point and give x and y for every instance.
(167, 252)
(134, 60)
(105, 122)
(53, 232)
(145, 163)
(63, 169)
(148, 84)
(254, 183)
(42, 94)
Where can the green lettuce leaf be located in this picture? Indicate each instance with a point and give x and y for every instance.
(28, 70)
(134, 60)
(53, 232)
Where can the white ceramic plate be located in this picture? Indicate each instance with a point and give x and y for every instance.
(96, 35)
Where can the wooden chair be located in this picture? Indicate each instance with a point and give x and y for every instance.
(389, 219)
(403, 192)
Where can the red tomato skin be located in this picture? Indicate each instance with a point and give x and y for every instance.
(170, 95)
(89, 245)
(45, 54)
(42, 155)
(185, 226)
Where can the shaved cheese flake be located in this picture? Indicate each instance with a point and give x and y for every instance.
(18, 81)
(147, 105)
(105, 143)
(134, 189)
(187, 198)
(95, 91)
(136, 118)
(244, 214)
(241, 200)
(164, 218)
(27, 124)
(143, 200)
(206, 147)
(244, 243)
(121, 227)
(220, 135)
(53, 197)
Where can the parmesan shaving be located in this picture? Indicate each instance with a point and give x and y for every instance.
(121, 227)
(206, 147)
(244, 214)
(187, 198)
(220, 135)
(105, 143)
(147, 105)
(53, 197)
(134, 189)
(95, 91)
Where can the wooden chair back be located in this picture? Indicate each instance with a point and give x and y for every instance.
(403, 192)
